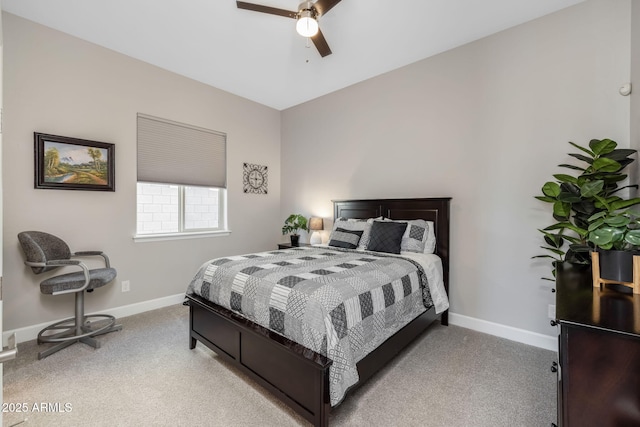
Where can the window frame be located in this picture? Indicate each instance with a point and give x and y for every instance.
(183, 232)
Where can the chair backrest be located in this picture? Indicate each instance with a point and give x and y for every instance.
(41, 247)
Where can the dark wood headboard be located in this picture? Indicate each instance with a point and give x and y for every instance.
(431, 209)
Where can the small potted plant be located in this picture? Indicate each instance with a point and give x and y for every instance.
(292, 224)
(616, 235)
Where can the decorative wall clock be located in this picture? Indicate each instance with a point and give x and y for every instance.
(255, 178)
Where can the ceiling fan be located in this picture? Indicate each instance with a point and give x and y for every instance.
(307, 17)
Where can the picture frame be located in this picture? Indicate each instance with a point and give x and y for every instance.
(65, 163)
(255, 178)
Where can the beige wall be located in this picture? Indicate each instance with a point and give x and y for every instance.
(635, 81)
(487, 124)
(57, 84)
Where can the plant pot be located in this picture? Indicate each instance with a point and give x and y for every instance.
(295, 239)
(616, 265)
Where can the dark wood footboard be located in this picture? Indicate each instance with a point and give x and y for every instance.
(294, 374)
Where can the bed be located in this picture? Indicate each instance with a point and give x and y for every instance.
(301, 375)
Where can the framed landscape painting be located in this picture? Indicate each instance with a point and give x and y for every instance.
(73, 164)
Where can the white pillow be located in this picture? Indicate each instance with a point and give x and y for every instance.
(430, 244)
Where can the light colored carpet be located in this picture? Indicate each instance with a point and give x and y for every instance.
(145, 375)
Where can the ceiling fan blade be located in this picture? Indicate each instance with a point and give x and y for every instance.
(321, 44)
(324, 6)
(266, 9)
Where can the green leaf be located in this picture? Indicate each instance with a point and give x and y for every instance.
(590, 189)
(546, 199)
(569, 197)
(606, 165)
(619, 154)
(554, 250)
(580, 147)
(621, 204)
(573, 240)
(601, 203)
(570, 188)
(557, 226)
(565, 178)
(554, 240)
(601, 237)
(602, 147)
(545, 256)
(585, 207)
(633, 237)
(618, 234)
(580, 248)
(617, 221)
(564, 165)
(551, 189)
(596, 216)
(595, 225)
(570, 226)
(561, 209)
(581, 157)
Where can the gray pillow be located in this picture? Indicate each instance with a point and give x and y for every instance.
(386, 236)
(341, 238)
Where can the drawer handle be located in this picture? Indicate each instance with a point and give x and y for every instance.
(553, 323)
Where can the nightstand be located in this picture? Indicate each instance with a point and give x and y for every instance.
(289, 245)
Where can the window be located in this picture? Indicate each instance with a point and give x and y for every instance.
(167, 208)
(181, 186)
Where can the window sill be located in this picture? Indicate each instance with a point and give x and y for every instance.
(141, 238)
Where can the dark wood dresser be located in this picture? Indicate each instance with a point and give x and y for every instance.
(599, 353)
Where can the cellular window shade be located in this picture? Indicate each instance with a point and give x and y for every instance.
(176, 153)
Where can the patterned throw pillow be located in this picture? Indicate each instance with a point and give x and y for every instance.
(363, 225)
(386, 236)
(342, 238)
(418, 233)
(415, 236)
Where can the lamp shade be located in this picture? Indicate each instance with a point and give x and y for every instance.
(316, 223)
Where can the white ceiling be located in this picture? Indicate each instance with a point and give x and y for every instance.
(261, 57)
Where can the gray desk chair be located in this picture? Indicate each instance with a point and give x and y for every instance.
(45, 252)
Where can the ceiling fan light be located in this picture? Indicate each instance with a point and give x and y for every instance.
(307, 26)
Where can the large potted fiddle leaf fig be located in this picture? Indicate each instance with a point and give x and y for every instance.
(588, 206)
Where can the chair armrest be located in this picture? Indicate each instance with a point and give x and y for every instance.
(61, 262)
(91, 253)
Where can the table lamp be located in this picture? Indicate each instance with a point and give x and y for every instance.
(315, 224)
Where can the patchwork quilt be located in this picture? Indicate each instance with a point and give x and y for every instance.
(340, 303)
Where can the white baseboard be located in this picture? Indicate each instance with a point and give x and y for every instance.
(29, 333)
(514, 334)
